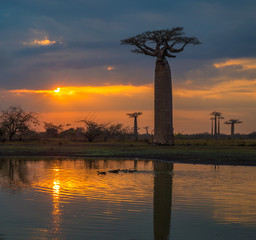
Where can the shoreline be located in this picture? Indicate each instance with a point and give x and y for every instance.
(213, 155)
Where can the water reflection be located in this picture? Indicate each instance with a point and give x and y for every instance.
(67, 199)
(162, 200)
(15, 174)
(56, 227)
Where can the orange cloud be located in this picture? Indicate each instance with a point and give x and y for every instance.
(110, 68)
(36, 42)
(246, 63)
(223, 90)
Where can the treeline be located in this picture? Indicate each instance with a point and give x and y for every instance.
(18, 125)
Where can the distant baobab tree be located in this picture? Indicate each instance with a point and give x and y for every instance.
(146, 128)
(135, 115)
(219, 118)
(232, 122)
(162, 44)
(216, 117)
(212, 118)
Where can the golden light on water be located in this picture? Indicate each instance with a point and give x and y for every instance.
(56, 220)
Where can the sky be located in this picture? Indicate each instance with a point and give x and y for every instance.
(63, 60)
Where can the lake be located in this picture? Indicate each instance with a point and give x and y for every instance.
(55, 198)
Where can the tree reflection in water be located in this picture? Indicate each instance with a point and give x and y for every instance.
(162, 200)
(15, 174)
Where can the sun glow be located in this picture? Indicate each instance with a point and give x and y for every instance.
(57, 90)
(38, 42)
(127, 90)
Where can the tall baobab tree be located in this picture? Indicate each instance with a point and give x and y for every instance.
(219, 118)
(216, 116)
(212, 118)
(135, 115)
(232, 123)
(162, 44)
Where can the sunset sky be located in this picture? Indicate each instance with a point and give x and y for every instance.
(63, 60)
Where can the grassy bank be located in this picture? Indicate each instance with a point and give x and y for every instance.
(233, 151)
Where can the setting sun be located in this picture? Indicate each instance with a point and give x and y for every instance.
(57, 90)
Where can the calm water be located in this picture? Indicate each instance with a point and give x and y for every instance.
(67, 199)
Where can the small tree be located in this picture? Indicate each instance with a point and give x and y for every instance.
(15, 121)
(52, 130)
(146, 128)
(111, 130)
(93, 129)
(135, 116)
(232, 123)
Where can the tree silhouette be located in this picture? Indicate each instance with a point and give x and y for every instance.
(135, 115)
(232, 123)
(212, 118)
(146, 128)
(216, 117)
(15, 121)
(93, 129)
(219, 118)
(162, 44)
(51, 129)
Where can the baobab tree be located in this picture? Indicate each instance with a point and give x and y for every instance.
(219, 118)
(146, 128)
(232, 123)
(212, 118)
(162, 44)
(135, 115)
(216, 117)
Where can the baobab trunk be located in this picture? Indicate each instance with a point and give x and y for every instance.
(212, 128)
(135, 129)
(215, 127)
(232, 129)
(163, 104)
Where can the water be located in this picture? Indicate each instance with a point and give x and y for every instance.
(67, 199)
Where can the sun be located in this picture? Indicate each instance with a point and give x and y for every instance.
(57, 90)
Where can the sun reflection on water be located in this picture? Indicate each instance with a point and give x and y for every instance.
(56, 221)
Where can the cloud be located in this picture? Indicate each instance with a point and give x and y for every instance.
(43, 42)
(242, 63)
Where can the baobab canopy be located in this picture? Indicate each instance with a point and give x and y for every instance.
(161, 43)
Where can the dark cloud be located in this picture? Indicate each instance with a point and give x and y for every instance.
(38, 50)
(88, 34)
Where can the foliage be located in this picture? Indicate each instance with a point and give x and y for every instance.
(16, 122)
(52, 130)
(111, 131)
(93, 129)
(165, 42)
(73, 133)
